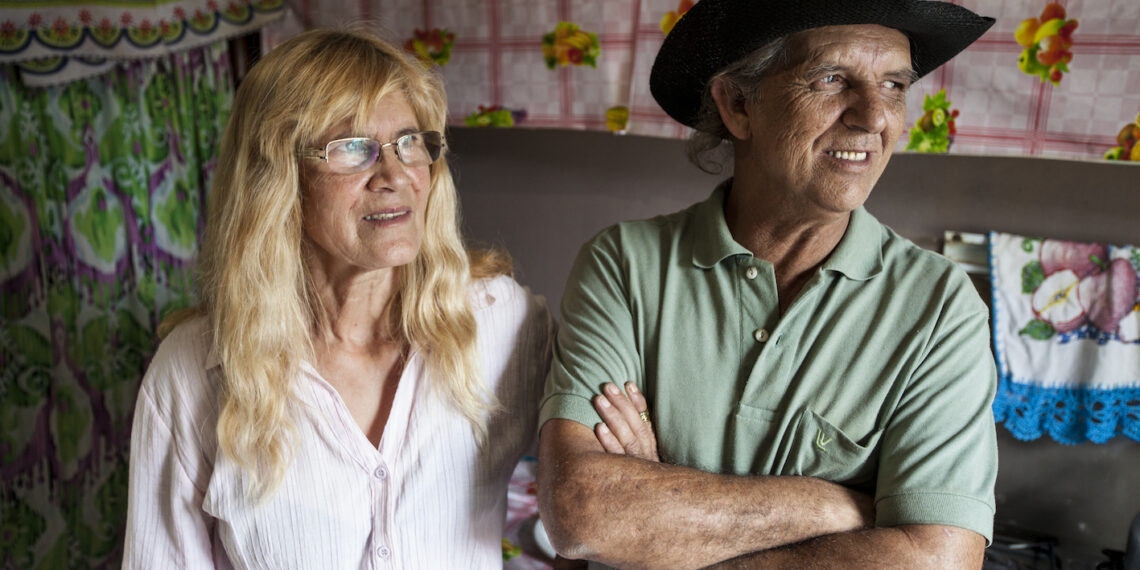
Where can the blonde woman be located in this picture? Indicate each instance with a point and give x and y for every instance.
(355, 387)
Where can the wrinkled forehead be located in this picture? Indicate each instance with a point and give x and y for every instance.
(860, 44)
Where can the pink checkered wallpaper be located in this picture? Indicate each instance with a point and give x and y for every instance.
(497, 59)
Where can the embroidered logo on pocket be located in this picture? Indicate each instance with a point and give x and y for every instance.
(821, 441)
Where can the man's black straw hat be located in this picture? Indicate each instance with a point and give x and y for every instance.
(715, 33)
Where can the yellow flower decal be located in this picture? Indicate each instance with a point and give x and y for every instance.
(570, 45)
(617, 119)
(1047, 41)
(493, 116)
(1129, 141)
(935, 130)
(670, 18)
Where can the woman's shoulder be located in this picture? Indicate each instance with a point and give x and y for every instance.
(187, 343)
(178, 372)
(497, 293)
(501, 299)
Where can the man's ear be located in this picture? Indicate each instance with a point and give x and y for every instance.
(731, 106)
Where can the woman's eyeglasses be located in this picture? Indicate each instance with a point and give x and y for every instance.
(345, 156)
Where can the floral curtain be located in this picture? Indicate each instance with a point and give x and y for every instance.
(102, 189)
(1051, 78)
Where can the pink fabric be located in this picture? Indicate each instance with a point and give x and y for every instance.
(429, 497)
(497, 59)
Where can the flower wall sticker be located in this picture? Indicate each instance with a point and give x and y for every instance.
(570, 45)
(617, 119)
(1046, 41)
(431, 46)
(1077, 288)
(934, 131)
(1129, 140)
(494, 116)
(670, 18)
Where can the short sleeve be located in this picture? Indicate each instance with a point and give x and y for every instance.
(595, 342)
(939, 451)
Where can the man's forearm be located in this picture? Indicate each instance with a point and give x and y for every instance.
(911, 546)
(633, 513)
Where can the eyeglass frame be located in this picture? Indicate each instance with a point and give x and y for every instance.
(322, 153)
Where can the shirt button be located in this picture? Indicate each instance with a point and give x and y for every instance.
(384, 553)
(381, 473)
(761, 335)
(751, 272)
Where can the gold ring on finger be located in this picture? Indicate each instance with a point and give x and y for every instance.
(644, 416)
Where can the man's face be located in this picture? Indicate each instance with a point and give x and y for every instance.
(826, 123)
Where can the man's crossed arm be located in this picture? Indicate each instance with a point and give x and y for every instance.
(603, 496)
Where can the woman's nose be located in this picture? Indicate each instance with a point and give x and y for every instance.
(387, 171)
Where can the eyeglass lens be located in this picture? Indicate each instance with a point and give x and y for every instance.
(355, 154)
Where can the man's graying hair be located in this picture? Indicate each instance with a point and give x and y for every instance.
(706, 147)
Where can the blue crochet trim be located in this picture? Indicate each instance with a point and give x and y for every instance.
(1089, 331)
(1069, 415)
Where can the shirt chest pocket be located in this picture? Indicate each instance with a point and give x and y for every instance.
(816, 448)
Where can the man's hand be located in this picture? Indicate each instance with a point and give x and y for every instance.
(626, 428)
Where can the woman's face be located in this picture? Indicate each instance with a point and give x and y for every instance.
(372, 219)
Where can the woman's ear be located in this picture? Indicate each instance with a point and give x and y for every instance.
(731, 106)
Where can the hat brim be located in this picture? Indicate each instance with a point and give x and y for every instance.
(715, 33)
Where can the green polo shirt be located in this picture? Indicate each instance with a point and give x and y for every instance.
(878, 377)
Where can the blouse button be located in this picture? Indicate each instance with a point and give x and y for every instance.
(381, 473)
(383, 552)
(761, 335)
(751, 272)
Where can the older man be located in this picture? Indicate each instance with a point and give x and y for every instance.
(819, 387)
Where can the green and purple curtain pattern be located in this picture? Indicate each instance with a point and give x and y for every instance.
(102, 192)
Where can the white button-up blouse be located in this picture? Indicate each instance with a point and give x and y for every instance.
(427, 497)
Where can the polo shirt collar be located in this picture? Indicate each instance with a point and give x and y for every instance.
(858, 256)
(713, 242)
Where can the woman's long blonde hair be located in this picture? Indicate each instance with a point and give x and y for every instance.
(254, 285)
